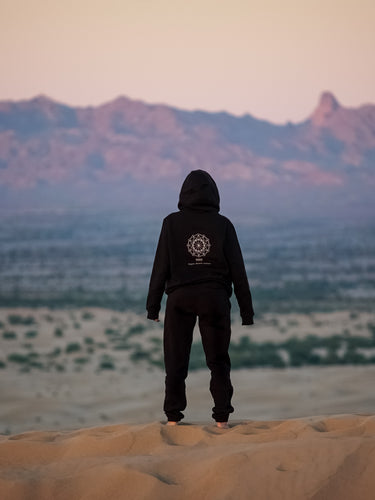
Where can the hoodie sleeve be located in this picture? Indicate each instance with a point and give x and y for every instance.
(159, 275)
(238, 274)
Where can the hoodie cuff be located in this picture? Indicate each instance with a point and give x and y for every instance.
(153, 314)
(248, 319)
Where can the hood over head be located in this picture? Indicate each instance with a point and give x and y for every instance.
(199, 192)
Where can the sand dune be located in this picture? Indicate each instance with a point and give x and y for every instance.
(306, 458)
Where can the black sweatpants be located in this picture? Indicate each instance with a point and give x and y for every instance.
(210, 303)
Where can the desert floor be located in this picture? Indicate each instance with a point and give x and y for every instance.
(96, 384)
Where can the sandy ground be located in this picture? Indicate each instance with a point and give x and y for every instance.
(313, 458)
(67, 393)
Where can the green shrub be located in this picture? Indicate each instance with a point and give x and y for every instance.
(56, 352)
(371, 329)
(157, 341)
(156, 346)
(268, 355)
(58, 332)
(136, 329)
(358, 341)
(87, 315)
(332, 344)
(72, 347)
(36, 364)
(2, 364)
(81, 360)
(110, 331)
(300, 350)
(106, 363)
(9, 335)
(88, 340)
(159, 362)
(77, 325)
(16, 357)
(318, 322)
(139, 354)
(247, 354)
(17, 319)
(2, 324)
(122, 346)
(293, 322)
(31, 334)
(352, 357)
(32, 355)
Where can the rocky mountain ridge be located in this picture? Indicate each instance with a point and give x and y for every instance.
(46, 143)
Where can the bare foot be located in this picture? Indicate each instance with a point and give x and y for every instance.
(222, 425)
(171, 422)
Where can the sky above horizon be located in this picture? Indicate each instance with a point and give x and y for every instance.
(268, 58)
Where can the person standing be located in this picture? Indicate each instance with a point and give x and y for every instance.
(198, 259)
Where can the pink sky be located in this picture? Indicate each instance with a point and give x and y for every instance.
(270, 58)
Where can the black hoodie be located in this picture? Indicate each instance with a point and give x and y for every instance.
(198, 245)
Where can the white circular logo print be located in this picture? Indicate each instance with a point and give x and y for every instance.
(198, 245)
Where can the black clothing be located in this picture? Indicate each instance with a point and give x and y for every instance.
(211, 304)
(197, 260)
(198, 245)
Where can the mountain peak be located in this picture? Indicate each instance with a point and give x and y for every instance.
(329, 101)
(328, 105)
(43, 101)
(41, 98)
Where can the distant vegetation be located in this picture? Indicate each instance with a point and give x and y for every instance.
(87, 315)
(136, 329)
(17, 319)
(312, 350)
(293, 265)
(106, 363)
(58, 332)
(126, 344)
(337, 349)
(73, 347)
(31, 334)
(341, 349)
(9, 335)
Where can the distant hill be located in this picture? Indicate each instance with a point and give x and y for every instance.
(93, 155)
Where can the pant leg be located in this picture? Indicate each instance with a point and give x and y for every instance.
(215, 329)
(178, 335)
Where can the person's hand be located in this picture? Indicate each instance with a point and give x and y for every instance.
(157, 320)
